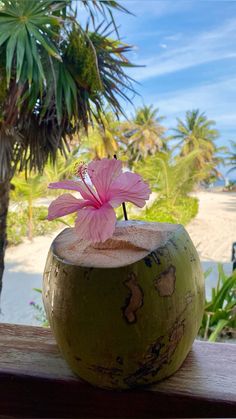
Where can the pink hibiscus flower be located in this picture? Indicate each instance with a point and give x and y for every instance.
(110, 187)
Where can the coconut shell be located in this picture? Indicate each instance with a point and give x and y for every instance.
(125, 312)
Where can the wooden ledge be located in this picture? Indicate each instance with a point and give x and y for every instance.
(35, 382)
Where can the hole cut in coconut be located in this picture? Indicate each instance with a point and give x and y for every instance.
(131, 242)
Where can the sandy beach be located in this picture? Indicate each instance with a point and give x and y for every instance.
(213, 231)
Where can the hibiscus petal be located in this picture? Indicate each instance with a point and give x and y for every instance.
(65, 204)
(73, 186)
(102, 173)
(96, 224)
(129, 187)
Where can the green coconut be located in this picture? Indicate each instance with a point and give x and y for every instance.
(125, 312)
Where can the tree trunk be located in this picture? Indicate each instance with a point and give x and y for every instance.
(4, 202)
(30, 219)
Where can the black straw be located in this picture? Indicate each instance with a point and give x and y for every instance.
(123, 204)
(124, 211)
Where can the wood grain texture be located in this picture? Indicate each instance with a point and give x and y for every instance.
(35, 382)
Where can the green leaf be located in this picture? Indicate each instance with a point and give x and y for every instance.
(20, 52)
(220, 314)
(3, 37)
(220, 326)
(11, 45)
(41, 21)
(207, 272)
(30, 7)
(50, 48)
(222, 294)
(69, 88)
(213, 293)
(37, 61)
(38, 290)
(29, 60)
(221, 276)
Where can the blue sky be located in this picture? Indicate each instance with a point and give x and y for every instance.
(188, 48)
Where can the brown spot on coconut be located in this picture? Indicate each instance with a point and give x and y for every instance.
(135, 300)
(165, 282)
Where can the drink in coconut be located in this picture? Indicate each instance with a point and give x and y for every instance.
(124, 299)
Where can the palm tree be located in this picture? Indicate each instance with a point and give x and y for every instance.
(197, 133)
(54, 75)
(144, 134)
(231, 157)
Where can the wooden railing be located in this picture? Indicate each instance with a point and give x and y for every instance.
(35, 382)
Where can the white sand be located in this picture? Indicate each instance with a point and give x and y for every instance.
(30, 256)
(212, 231)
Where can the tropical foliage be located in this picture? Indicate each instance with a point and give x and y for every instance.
(161, 211)
(171, 179)
(169, 176)
(219, 320)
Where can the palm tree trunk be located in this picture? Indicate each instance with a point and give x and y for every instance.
(4, 202)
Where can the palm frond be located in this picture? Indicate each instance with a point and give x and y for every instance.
(104, 8)
(144, 134)
(56, 77)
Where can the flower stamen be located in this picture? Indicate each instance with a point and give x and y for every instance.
(81, 172)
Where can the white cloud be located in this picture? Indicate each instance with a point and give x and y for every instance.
(216, 99)
(210, 46)
(174, 37)
(156, 8)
